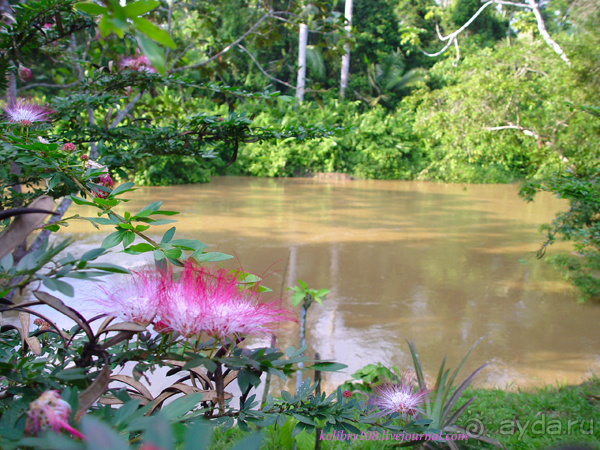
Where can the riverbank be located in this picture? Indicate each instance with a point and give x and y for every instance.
(534, 419)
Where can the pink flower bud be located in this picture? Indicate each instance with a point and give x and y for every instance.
(84, 157)
(69, 147)
(24, 73)
(49, 411)
(347, 394)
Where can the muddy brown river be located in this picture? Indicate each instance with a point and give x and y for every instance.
(441, 264)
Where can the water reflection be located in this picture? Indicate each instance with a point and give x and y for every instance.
(436, 263)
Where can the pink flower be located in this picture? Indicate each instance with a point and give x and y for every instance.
(140, 63)
(24, 73)
(402, 399)
(49, 411)
(69, 147)
(201, 301)
(26, 113)
(106, 180)
(347, 394)
(134, 300)
(84, 157)
(161, 328)
(42, 324)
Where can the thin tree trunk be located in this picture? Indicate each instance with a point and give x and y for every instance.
(303, 311)
(346, 57)
(302, 41)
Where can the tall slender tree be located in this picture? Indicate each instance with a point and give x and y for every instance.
(302, 41)
(346, 56)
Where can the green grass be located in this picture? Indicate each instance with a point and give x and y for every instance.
(536, 419)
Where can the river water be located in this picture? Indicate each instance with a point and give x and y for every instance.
(440, 264)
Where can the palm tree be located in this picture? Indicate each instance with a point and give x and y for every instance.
(389, 76)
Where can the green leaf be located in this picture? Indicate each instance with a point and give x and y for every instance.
(158, 255)
(162, 222)
(64, 288)
(328, 366)
(181, 406)
(124, 412)
(153, 52)
(153, 32)
(7, 262)
(107, 267)
(165, 213)
(158, 431)
(90, 8)
(210, 257)
(198, 436)
(52, 227)
(101, 220)
(139, 8)
(154, 206)
(122, 187)
(190, 244)
(92, 254)
(302, 284)
(100, 436)
(141, 248)
(128, 238)
(113, 239)
(80, 201)
(303, 419)
(168, 235)
(252, 442)
(173, 253)
(297, 298)
(75, 373)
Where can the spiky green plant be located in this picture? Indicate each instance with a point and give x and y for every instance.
(441, 400)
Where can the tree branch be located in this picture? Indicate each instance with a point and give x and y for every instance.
(514, 127)
(123, 112)
(226, 49)
(542, 29)
(60, 210)
(531, 4)
(49, 85)
(262, 70)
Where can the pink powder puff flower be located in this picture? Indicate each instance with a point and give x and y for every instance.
(161, 328)
(26, 113)
(210, 302)
(24, 73)
(134, 299)
(402, 399)
(49, 411)
(140, 63)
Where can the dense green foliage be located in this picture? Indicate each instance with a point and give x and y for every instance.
(523, 419)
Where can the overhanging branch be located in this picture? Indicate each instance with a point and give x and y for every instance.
(531, 4)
